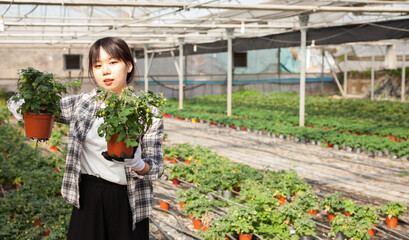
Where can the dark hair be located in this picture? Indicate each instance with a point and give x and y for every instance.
(116, 48)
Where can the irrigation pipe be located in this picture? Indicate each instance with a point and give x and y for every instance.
(161, 230)
(174, 215)
(180, 230)
(154, 236)
(393, 231)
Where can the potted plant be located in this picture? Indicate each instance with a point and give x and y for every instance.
(393, 211)
(126, 117)
(41, 94)
(305, 227)
(309, 202)
(243, 221)
(332, 203)
(197, 208)
(344, 227)
(369, 214)
(349, 207)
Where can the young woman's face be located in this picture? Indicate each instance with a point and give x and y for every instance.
(110, 73)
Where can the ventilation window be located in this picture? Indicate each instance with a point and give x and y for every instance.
(240, 59)
(72, 62)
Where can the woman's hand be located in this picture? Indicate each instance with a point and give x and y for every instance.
(134, 162)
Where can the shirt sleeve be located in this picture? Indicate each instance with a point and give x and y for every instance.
(152, 152)
(13, 106)
(67, 105)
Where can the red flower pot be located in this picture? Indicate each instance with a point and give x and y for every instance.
(281, 199)
(205, 228)
(371, 232)
(197, 223)
(54, 148)
(189, 216)
(166, 159)
(392, 222)
(118, 148)
(37, 222)
(38, 125)
(312, 213)
(181, 204)
(46, 233)
(173, 161)
(245, 236)
(331, 216)
(346, 214)
(164, 205)
(175, 181)
(329, 145)
(187, 162)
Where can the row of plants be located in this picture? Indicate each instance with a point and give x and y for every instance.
(321, 112)
(323, 137)
(32, 206)
(277, 204)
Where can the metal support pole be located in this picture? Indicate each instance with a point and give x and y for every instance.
(181, 71)
(229, 68)
(345, 74)
(372, 77)
(303, 24)
(146, 59)
(403, 90)
(322, 71)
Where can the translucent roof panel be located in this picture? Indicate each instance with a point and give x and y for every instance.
(161, 23)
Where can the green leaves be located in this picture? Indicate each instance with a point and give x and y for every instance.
(127, 114)
(40, 92)
(394, 209)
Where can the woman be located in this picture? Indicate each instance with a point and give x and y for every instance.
(112, 199)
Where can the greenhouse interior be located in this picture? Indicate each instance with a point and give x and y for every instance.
(254, 119)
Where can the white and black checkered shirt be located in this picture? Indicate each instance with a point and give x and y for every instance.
(78, 111)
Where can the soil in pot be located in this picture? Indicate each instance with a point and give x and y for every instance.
(245, 236)
(38, 125)
(118, 148)
(197, 223)
(392, 222)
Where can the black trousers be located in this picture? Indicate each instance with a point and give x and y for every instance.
(104, 213)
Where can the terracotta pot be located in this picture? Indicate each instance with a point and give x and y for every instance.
(236, 189)
(329, 145)
(54, 148)
(164, 205)
(166, 159)
(205, 228)
(312, 213)
(174, 161)
(181, 204)
(189, 216)
(37, 222)
(38, 125)
(46, 233)
(282, 200)
(331, 216)
(245, 236)
(187, 162)
(175, 181)
(371, 232)
(346, 214)
(197, 223)
(227, 238)
(118, 148)
(392, 222)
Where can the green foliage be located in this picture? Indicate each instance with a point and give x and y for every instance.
(332, 203)
(127, 114)
(41, 93)
(393, 209)
(349, 206)
(242, 220)
(305, 226)
(367, 213)
(351, 227)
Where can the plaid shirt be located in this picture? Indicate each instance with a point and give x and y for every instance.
(79, 112)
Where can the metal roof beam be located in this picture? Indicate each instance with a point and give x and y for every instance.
(182, 5)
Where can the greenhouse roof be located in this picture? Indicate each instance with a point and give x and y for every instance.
(161, 24)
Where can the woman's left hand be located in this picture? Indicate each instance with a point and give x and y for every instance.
(134, 162)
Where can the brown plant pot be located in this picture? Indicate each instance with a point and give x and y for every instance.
(392, 222)
(331, 216)
(118, 148)
(174, 161)
(38, 125)
(372, 232)
(46, 233)
(312, 213)
(181, 204)
(165, 159)
(164, 205)
(197, 223)
(37, 222)
(346, 214)
(188, 162)
(245, 236)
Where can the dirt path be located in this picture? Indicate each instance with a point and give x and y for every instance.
(356, 173)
